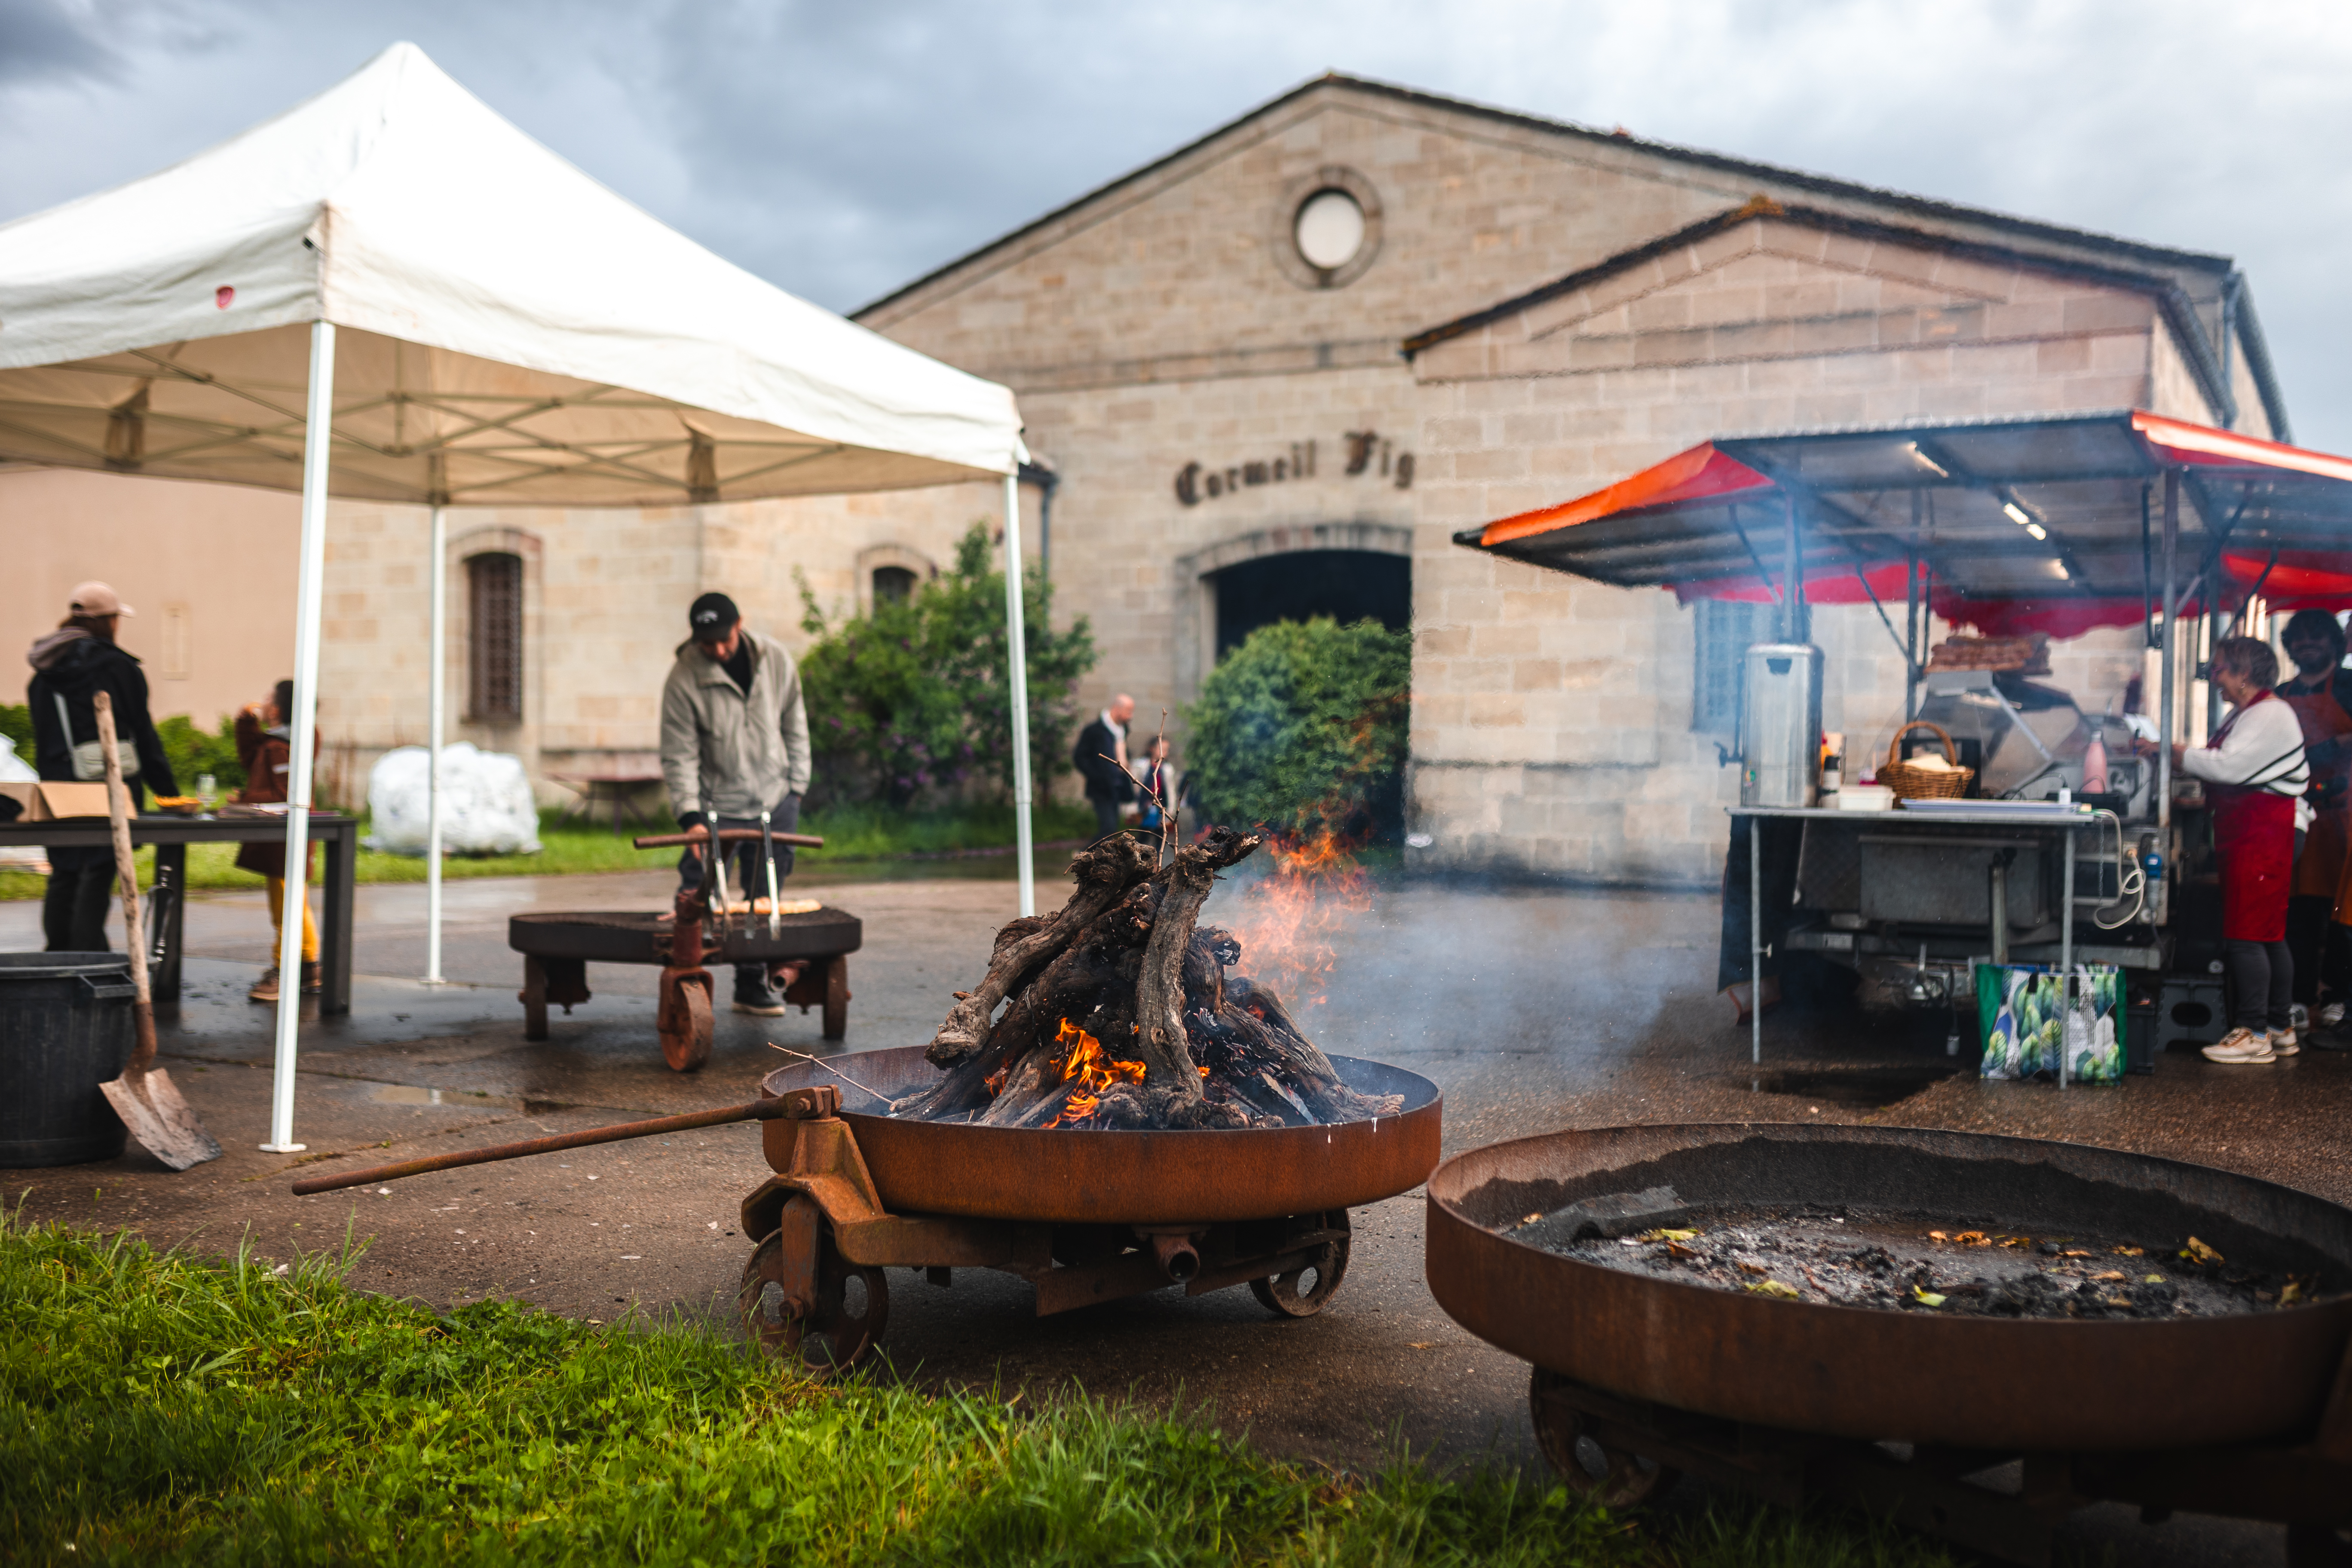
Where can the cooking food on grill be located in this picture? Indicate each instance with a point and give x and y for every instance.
(1119, 1013)
(1854, 1256)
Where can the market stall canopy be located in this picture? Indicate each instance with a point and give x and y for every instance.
(511, 332)
(2021, 525)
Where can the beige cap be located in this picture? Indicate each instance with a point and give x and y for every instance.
(99, 599)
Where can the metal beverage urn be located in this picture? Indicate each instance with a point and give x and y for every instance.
(1780, 725)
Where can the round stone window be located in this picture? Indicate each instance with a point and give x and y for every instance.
(1324, 230)
(1329, 229)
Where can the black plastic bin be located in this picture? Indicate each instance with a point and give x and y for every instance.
(65, 1026)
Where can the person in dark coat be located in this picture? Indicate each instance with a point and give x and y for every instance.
(71, 667)
(1100, 757)
(266, 751)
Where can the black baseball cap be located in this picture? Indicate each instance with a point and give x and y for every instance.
(712, 616)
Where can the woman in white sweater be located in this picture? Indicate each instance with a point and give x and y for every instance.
(2255, 774)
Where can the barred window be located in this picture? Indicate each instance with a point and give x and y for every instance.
(494, 654)
(892, 583)
(1725, 631)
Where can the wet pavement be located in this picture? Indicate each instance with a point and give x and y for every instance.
(1532, 1009)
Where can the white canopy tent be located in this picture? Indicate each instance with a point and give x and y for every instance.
(483, 324)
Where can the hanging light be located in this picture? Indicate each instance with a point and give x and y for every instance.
(2017, 514)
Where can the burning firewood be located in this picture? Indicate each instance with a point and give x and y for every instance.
(1118, 1013)
(1105, 872)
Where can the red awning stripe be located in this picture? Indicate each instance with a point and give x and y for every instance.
(2202, 444)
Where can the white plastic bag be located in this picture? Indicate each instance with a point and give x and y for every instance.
(15, 769)
(487, 806)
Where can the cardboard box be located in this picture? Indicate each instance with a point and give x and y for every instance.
(46, 802)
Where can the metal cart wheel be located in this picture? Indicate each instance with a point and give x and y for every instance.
(804, 1302)
(685, 1024)
(1612, 1476)
(1302, 1292)
(2318, 1546)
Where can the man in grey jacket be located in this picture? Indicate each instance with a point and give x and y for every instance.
(734, 742)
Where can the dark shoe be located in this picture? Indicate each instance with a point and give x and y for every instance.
(310, 977)
(759, 1001)
(266, 988)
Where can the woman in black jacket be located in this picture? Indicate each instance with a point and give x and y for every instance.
(71, 667)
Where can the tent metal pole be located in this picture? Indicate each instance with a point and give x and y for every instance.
(2167, 702)
(317, 431)
(1016, 644)
(436, 663)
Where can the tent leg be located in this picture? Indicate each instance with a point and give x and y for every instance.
(434, 712)
(1017, 643)
(317, 443)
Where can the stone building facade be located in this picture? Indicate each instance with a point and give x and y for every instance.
(1275, 372)
(1533, 310)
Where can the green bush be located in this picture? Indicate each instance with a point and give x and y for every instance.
(909, 701)
(1303, 726)
(194, 752)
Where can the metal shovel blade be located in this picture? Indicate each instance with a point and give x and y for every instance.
(151, 1107)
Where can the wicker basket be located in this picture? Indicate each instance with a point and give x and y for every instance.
(1911, 782)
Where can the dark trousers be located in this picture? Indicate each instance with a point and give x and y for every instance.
(80, 891)
(2263, 974)
(2321, 948)
(1106, 814)
(747, 875)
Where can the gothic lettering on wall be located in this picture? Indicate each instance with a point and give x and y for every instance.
(1368, 454)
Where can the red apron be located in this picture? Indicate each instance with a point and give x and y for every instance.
(2254, 834)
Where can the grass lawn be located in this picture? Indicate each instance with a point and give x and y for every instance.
(851, 833)
(169, 1409)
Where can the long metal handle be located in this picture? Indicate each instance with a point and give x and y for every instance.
(801, 1102)
(727, 836)
(768, 858)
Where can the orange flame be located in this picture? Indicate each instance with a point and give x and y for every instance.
(1290, 919)
(1093, 1071)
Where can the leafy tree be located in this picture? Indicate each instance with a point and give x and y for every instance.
(909, 699)
(1303, 727)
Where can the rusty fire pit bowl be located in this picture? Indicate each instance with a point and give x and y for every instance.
(1075, 1177)
(1972, 1382)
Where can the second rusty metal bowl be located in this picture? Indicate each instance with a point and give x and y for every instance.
(1982, 1383)
(1070, 1176)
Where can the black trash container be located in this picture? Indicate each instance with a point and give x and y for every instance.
(65, 1026)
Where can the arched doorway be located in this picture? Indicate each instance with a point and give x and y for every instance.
(1299, 584)
(1346, 570)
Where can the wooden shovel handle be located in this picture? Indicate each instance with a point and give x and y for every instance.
(126, 871)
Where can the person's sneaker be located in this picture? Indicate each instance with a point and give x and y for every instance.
(2282, 1042)
(2241, 1047)
(2298, 1016)
(310, 977)
(266, 988)
(759, 1001)
(2331, 1015)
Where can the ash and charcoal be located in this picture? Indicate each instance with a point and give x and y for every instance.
(1857, 1258)
(1118, 1013)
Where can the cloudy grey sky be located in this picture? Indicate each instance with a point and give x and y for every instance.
(842, 149)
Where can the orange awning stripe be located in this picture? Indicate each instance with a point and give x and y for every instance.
(1695, 475)
(2204, 445)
